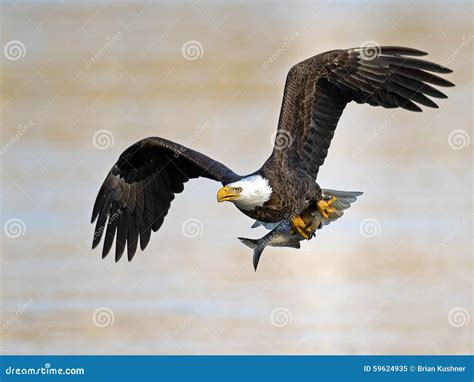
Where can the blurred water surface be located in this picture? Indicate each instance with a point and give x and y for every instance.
(211, 76)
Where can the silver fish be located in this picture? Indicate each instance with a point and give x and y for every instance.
(281, 233)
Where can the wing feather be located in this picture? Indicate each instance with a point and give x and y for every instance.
(132, 239)
(137, 192)
(318, 89)
(111, 228)
(122, 233)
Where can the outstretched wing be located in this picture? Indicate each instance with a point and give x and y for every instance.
(137, 192)
(318, 89)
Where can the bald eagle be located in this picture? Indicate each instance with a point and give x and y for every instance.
(137, 192)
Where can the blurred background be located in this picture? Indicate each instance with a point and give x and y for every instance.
(81, 81)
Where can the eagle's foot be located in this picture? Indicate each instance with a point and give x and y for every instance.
(301, 227)
(324, 207)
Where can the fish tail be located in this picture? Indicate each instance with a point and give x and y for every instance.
(257, 249)
(251, 243)
(257, 252)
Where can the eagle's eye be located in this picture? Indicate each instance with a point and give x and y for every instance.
(238, 189)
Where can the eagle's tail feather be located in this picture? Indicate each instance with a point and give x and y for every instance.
(344, 199)
(345, 196)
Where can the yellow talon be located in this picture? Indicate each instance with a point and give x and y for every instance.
(300, 225)
(324, 207)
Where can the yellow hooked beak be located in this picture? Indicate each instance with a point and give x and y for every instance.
(227, 193)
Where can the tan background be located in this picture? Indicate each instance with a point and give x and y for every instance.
(408, 289)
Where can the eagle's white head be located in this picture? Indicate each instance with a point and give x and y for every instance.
(247, 193)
